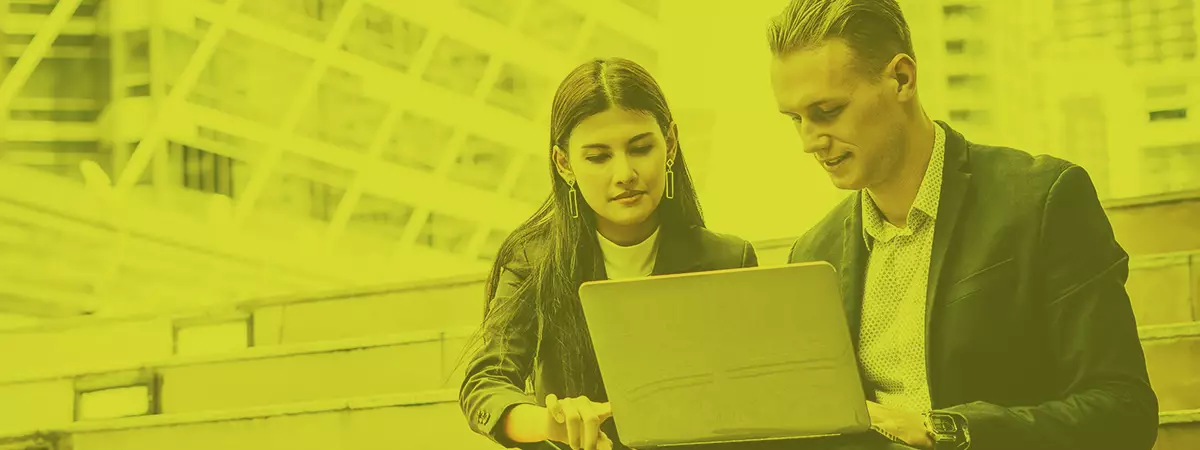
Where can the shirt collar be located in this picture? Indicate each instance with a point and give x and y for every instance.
(924, 206)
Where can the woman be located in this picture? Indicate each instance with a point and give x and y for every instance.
(622, 206)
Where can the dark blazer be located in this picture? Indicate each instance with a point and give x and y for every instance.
(1030, 332)
(497, 374)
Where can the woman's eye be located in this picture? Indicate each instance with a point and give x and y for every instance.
(643, 149)
(598, 158)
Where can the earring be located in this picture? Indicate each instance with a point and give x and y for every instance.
(572, 200)
(670, 179)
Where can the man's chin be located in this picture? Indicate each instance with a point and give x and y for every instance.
(845, 183)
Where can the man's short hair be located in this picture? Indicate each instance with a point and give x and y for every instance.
(874, 29)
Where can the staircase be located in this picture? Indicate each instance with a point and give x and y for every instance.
(376, 368)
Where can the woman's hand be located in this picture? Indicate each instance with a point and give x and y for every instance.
(576, 422)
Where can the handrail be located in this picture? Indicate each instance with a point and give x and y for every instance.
(1151, 200)
(1169, 331)
(403, 286)
(1180, 416)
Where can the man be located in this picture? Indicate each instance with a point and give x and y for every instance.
(984, 286)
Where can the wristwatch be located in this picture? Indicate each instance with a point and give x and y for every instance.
(948, 430)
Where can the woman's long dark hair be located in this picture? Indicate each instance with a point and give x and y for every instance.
(551, 251)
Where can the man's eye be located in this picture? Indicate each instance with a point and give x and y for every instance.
(832, 112)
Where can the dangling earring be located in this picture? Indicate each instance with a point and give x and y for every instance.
(572, 200)
(670, 179)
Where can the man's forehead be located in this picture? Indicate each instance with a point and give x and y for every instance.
(807, 75)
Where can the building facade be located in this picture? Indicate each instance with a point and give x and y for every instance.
(308, 143)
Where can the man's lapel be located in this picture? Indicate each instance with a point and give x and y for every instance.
(955, 182)
(853, 267)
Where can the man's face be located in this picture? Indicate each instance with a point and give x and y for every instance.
(850, 124)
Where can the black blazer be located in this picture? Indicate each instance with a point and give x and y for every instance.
(1030, 332)
(497, 373)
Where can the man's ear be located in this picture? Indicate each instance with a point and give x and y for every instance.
(563, 163)
(902, 71)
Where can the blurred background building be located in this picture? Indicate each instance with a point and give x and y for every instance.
(200, 199)
(282, 145)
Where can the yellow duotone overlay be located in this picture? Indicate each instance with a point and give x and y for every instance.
(240, 223)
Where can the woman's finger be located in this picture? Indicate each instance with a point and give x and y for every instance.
(603, 410)
(605, 443)
(574, 423)
(591, 424)
(554, 407)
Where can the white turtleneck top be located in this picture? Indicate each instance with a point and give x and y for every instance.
(634, 261)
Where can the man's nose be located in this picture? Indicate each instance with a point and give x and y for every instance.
(814, 139)
(816, 144)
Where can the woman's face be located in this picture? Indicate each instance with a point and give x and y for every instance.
(618, 159)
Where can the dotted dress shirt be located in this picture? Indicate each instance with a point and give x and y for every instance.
(892, 337)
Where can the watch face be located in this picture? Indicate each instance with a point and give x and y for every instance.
(943, 424)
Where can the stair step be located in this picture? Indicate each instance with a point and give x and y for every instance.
(1178, 430)
(1165, 289)
(350, 371)
(37, 405)
(1173, 362)
(257, 377)
(52, 351)
(1157, 224)
(427, 420)
(354, 314)
(404, 363)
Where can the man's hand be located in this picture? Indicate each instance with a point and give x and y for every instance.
(576, 422)
(908, 427)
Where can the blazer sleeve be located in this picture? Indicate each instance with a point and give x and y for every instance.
(496, 374)
(1106, 399)
(801, 249)
(749, 257)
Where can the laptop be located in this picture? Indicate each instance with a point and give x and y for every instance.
(738, 355)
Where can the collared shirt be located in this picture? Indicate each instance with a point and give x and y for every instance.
(633, 261)
(892, 337)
